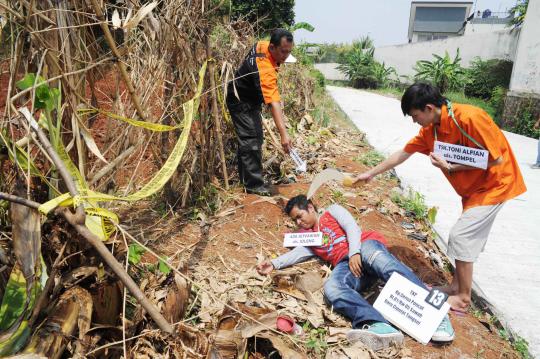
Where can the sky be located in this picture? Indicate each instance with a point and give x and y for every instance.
(385, 21)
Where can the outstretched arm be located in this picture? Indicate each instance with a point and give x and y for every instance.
(297, 255)
(395, 159)
(277, 114)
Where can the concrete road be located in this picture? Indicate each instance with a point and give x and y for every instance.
(508, 272)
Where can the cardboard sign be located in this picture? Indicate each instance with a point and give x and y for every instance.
(469, 156)
(306, 239)
(411, 308)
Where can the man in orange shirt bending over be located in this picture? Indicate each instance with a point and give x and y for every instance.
(255, 83)
(483, 191)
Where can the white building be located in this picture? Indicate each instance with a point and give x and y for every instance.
(430, 20)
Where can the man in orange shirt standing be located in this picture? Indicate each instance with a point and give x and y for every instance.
(255, 83)
(483, 190)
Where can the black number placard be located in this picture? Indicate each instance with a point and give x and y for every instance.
(436, 298)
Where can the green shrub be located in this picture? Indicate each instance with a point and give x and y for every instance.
(524, 126)
(330, 52)
(459, 97)
(497, 102)
(370, 158)
(413, 204)
(484, 76)
(517, 13)
(318, 77)
(443, 72)
(360, 67)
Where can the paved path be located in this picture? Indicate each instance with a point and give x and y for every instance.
(331, 72)
(508, 272)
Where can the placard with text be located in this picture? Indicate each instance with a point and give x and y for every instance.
(469, 156)
(412, 308)
(303, 239)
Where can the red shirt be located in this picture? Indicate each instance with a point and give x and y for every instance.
(335, 242)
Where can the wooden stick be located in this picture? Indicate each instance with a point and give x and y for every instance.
(19, 200)
(117, 268)
(109, 167)
(123, 72)
(217, 120)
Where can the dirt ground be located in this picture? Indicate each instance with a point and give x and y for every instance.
(247, 228)
(251, 227)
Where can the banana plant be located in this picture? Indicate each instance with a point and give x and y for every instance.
(26, 280)
(443, 72)
(383, 73)
(46, 99)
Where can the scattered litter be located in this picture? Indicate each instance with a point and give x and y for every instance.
(419, 236)
(407, 225)
(288, 325)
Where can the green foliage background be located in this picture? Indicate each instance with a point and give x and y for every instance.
(268, 15)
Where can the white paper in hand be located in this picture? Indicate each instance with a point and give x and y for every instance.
(301, 165)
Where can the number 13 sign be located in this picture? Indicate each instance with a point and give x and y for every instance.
(436, 298)
(413, 309)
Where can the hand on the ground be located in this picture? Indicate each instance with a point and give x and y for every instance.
(438, 161)
(265, 267)
(362, 177)
(355, 264)
(286, 143)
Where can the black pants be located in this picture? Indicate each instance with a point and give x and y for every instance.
(247, 122)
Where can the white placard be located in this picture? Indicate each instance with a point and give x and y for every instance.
(304, 239)
(404, 304)
(469, 156)
(301, 165)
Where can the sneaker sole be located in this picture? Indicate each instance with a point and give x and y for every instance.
(442, 338)
(375, 341)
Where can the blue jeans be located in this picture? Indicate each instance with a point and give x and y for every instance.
(342, 289)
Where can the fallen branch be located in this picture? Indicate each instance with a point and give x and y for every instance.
(77, 220)
(19, 200)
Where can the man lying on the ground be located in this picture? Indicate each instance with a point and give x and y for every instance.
(359, 259)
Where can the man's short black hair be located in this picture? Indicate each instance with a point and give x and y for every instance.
(278, 34)
(418, 95)
(300, 201)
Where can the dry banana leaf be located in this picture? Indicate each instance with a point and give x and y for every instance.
(74, 310)
(24, 285)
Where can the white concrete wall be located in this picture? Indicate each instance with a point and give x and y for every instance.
(526, 71)
(496, 45)
(330, 71)
(472, 29)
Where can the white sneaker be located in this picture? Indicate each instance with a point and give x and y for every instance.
(444, 333)
(376, 336)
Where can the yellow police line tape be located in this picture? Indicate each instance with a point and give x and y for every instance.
(156, 127)
(101, 221)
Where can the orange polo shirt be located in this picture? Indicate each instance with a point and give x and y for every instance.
(476, 187)
(267, 67)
